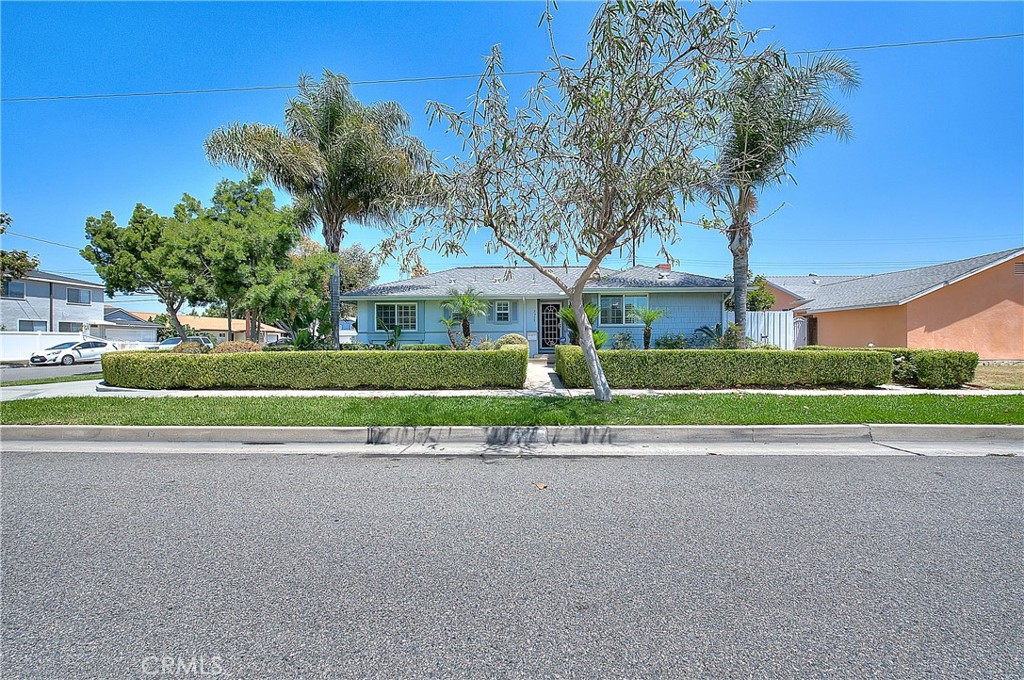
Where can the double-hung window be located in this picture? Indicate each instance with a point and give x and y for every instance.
(502, 311)
(31, 326)
(79, 296)
(392, 314)
(13, 289)
(618, 310)
(69, 327)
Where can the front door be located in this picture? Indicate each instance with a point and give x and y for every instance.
(550, 325)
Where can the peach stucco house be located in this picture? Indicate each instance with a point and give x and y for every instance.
(975, 304)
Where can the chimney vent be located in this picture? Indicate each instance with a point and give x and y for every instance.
(664, 266)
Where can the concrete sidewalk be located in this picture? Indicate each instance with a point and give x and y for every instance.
(536, 388)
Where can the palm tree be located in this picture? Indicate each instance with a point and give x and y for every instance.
(463, 307)
(450, 323)
(774, 110)
(341, 160)
(591, 311)
(647, 316)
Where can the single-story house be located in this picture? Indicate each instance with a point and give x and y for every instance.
(127, 326)
(217, 326)
(524, 301)
(975, 304)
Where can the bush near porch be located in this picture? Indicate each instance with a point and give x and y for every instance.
(718, 368)
(932, 368)
(318, 369)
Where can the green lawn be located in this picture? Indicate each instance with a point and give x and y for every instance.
(720, 409)
(58, 379)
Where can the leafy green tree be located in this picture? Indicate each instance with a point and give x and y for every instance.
(463, 306)
(340, 159)
(760, 298)
(150, 254)
(647, 316)
(773, 110)
(14, 264)
(603, 153)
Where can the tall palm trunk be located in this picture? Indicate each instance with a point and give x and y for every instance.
(336, 302)
(585, 338)
(227, 308)
(740, 238)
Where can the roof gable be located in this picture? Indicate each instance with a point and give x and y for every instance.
(37, 275)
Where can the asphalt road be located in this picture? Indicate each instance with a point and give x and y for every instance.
(11, 373)
(268, 565)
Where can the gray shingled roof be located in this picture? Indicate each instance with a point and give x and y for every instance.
(894, 288)
(806, 286)
(37, 275)
(528, 282)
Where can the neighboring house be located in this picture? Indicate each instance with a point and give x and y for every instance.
(217, 326)
(49, 303)
(128, 326)
(976, 304)
(524, 301)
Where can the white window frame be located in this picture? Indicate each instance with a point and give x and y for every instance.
(67, 296)
(498, 311)
(625, 309)
(398, 320)
(42, 321)
(15, 297)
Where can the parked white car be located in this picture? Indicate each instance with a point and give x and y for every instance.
(67, 353)
(170, 343)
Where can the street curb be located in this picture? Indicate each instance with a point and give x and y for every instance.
(520, 435)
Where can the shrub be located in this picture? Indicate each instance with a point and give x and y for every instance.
(673, 341)
(624, 340)
(426, 347)
(941, 368)
(485, 344)
(511, 339)
(937, 368)
(685, 369)
(280, 348)
(190, 348)
(236, 346)
(318, 369)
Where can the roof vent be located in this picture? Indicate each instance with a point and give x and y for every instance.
(1018, 267)
(451, 281)
(662, 276)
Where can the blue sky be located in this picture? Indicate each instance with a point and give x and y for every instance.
(935, 171)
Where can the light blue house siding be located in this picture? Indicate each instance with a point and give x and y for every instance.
(686, 312)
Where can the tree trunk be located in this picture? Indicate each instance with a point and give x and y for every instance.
(647, 337)
(227, 311)
(466, 330)
(739, 245)
(254, 326)
(336, 302)
(172, 314)
(585, 338)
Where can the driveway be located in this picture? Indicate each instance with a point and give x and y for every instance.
(266, 565)
(11, 373)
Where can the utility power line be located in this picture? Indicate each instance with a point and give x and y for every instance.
(427, 79)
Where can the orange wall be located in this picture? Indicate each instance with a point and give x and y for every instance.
(783, 300)
(878, 326)
(983, 313)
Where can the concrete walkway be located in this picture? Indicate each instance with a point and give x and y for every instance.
(541, 382)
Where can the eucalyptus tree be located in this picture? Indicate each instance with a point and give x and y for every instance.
(602, 153)
(774, 109)
(341, 160)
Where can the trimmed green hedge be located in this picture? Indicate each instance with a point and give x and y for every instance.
(933, 368)
(711, 368)
(426, 348)
(318, 369)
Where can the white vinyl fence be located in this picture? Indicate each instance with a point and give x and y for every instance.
(773, 328)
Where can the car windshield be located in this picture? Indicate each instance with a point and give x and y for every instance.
(63, 345)
(171, 341)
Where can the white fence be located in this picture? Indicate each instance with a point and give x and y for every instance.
(19, 346)
(773, 328)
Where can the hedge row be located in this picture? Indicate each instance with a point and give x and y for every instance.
(934, 368)
(318, 369)
(711, 368)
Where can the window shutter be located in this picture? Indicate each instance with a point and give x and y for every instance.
(490, 312)
(513, 311)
